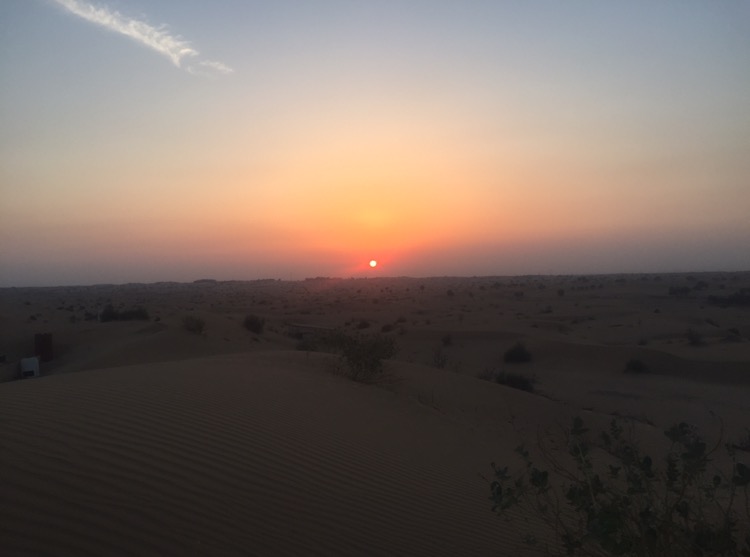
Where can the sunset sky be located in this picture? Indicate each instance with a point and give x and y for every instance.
(176, 140)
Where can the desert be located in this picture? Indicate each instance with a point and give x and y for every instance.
(154, 436)
(348, 278)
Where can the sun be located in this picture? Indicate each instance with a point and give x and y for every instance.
(373, 263)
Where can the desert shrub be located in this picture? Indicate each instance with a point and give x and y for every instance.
(517, 354)
(447, 340)
(626, 503)
(636, 366)
(679, 290)
(254, 324)
(741, 298)
(194, 324)
(109, 313)
(387, 328)
(363, 324)
(364, 355)
(515, 381)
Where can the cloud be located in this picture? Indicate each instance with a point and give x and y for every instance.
(178, 50)
(209, 68)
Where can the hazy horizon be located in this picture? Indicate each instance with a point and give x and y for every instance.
(173, 141)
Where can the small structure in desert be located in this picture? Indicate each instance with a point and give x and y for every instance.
(29, 367)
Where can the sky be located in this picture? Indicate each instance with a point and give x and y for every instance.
(168, 140)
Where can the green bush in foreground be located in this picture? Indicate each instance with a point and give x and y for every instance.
(627, 504)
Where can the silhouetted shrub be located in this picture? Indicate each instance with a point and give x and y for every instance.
(194, 324)
(517, 354)
(447, 340)
(516, 381)
(741, 298)
(679, 290)
(700, 285)
(254, 324)
(364, 355)
(363, 324)
(109, 313)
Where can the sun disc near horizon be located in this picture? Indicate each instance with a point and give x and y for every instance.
(373, 263)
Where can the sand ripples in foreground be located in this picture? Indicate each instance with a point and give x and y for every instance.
(234, 455)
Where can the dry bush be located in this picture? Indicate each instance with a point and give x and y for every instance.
(194, 324)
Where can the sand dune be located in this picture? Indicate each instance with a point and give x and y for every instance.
(268, 454)
(142, 438)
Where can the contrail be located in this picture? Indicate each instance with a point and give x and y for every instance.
(156, 38)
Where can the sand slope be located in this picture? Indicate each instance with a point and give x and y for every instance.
(143, 438)
(266, 454)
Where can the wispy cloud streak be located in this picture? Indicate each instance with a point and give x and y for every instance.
(159, 38)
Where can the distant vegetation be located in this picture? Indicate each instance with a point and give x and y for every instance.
(509, 379)
(741, 298)
(517, 354)
(109, 313)
(194, 324)
(363, 355)
(254, 324)
(679, 290)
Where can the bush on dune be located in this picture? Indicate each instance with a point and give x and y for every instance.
(610, 498)
(194, 324)
(516, 381)
(741, 298)
(517, 354)
(254, 324)
(109, 313)
(509, 379)
(363, 355)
